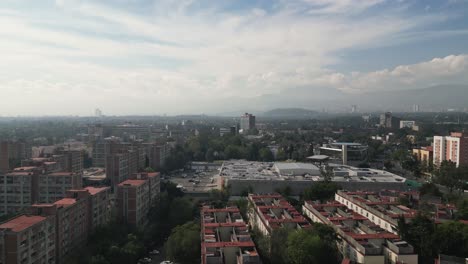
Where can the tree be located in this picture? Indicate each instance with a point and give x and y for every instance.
(430, 189)
(181, 211)
(306, 246)
(321, 191)
(209, 155)
(419, 233)
(281, 155)
(278, 252)
(266, 154)
(452, 239)
(462, 213)
(183, 245)
(449, 175)
(99, 259)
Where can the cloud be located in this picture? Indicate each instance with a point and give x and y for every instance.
(180, 56)
(449, 69)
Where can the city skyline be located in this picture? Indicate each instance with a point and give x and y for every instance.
(68, 57)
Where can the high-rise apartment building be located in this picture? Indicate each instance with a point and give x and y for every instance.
(135, 197)
(28, 185)
(73, 160)
(4, 157)
(247, 122)
(28, 240)
(117, 168)
(18, 190)
(99, 206)
(11, 154)
(157, 154)
(71, 223)
(54, 186)
(453, 148)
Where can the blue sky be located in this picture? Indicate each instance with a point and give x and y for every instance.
(155, 57)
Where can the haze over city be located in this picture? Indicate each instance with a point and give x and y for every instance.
(68, 57)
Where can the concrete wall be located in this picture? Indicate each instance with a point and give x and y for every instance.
(297, 187)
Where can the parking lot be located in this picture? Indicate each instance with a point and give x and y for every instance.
(196, 181)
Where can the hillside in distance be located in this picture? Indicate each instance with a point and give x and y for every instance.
(290, 112)
(435, 98)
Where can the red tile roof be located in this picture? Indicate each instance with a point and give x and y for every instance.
(63, 173)
(22, 222)
(26, 168)
(94, 190)
(132, 182)
(66, 202)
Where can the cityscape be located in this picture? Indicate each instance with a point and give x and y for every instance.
(234, 132)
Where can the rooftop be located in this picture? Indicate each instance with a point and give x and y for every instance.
(21, 223)
(281, 171)
(66, 202)
(62, 173)
(25, 168)
(132, 183)
(95, 190)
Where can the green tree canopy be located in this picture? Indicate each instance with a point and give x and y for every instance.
(307, 247)
(183, 245)
(321, 191)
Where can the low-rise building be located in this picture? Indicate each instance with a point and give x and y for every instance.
(270, 211)
(225, 238)
(424, 155)
(382, 210)
(242, 176)
(28, 240)
(360, 240)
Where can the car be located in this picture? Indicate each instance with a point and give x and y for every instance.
(154, 252)
(191, 180)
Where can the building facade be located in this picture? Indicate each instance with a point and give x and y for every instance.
(270, 211)
(452, 148)
(425, 155)
(247, 122)
(225, 238)
(360, 240)
(136, 196)
(117, 168)
(28, 240)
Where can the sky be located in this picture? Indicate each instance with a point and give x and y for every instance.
(126, 57)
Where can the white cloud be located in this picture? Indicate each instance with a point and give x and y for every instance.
(177, 60)
(450, 69)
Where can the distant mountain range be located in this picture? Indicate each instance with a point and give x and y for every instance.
(435, 98)
(289, 112)
(310, 101)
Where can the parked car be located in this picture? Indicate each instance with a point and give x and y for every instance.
(154, 252)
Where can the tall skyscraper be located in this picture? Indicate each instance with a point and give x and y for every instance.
(247, 122)
(354, 109)
(453, 148)
(415, 108)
